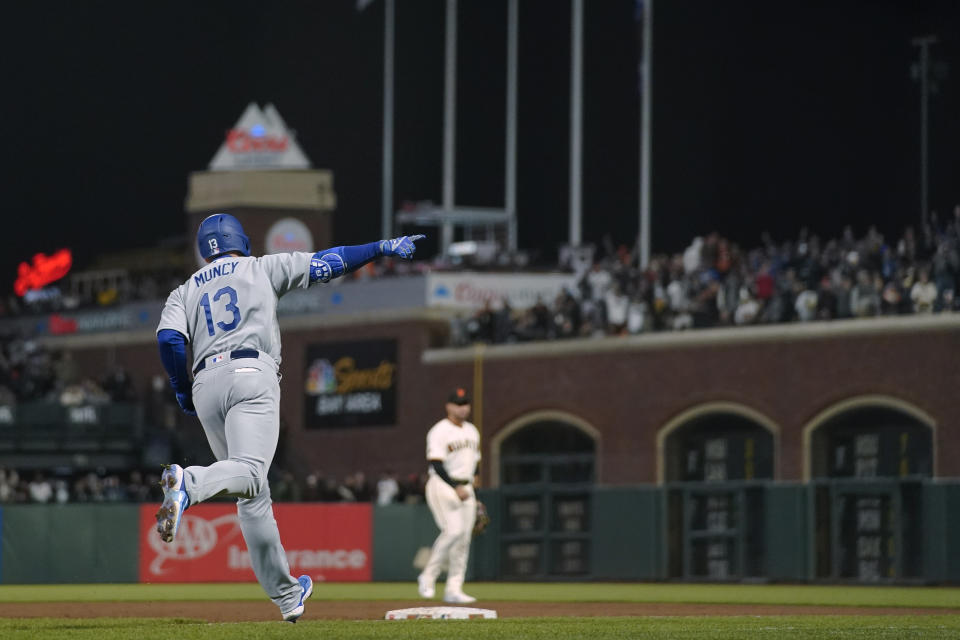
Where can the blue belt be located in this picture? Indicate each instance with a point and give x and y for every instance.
(239, 353)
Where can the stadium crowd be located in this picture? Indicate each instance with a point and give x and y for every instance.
(29, 371)
(41, 487)
(715, 283)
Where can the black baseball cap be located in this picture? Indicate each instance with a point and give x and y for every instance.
(459, 396)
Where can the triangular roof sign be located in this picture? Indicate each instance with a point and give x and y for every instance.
(259, 140)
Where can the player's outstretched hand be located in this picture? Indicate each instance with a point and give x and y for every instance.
(402, 247)
(185, 400)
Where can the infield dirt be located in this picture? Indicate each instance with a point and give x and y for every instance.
(244, 611)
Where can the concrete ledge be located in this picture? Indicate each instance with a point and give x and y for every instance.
(790, 332)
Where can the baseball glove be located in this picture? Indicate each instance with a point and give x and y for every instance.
(483, 519)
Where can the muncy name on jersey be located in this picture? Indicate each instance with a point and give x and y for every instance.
(215, 271)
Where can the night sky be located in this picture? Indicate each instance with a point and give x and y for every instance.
(767, 115)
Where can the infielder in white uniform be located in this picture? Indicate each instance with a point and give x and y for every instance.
(227, 311)
(453, 452)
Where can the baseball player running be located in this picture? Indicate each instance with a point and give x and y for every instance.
(227, 311)
(453, 452)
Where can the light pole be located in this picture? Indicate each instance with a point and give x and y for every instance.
(921, 72)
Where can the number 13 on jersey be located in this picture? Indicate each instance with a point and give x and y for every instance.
(231, 306)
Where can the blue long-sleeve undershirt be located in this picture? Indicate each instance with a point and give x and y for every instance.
(351, 258)
(173, 355)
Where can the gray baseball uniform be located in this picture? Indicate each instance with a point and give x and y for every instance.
(230, 306)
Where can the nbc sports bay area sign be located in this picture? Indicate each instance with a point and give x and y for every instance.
(331, 542)
(351, 384)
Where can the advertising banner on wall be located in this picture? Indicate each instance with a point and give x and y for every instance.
(350, 384)
(469, 291)
(330, 542)
(259, 140)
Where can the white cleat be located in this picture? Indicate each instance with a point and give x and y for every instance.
(306, 590)
(175, 502)
(458, 597)
(425, 588)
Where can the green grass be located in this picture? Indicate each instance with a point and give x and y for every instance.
(746, 628)
(937, 597)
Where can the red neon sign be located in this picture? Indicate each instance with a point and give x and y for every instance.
(43, 271)
(241, 141)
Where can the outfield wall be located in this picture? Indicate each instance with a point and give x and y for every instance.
(628, 394)
(777, 532)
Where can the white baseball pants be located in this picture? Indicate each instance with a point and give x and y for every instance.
(455, 518)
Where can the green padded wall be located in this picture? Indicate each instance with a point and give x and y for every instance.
(399, 531)
(627, 533)
(941, 521)
(73, 543)
(485, 548)
(786, 532)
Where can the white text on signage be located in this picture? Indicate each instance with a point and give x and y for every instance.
(238, 558)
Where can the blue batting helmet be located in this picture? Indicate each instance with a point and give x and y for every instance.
(219, 234)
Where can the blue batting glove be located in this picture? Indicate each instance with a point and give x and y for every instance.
(402, 247)
(185, 400)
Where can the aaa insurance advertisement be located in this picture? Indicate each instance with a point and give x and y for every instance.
(327, 542)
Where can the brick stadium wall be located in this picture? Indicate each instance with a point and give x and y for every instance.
(625, 389)
(629, 395)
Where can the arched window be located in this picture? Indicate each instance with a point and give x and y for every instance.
(547, 451)
(867, 439)
(869, 531)
(546, 465)
(710, 455)
(717, 443)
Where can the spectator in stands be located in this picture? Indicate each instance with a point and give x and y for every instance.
(636, 314)
(806, 302)
(40, 489)
(923, 294)
(481, 326)
(844, 297)
(503, 322)
(566, 318)
(387, 488)
(597, 280)
(89, 488)
(8, 484)
(413, 488)
(85, 393)
(864, 297)
(112, 491)
(61, 492)
(65, 369)
(285, 488)
(118, 385)
(617, 303)
(137, 490)
(311, 488)
(330, 489)
(748, 309)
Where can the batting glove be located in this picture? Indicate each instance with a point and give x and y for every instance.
(185, 400)
(402, 247)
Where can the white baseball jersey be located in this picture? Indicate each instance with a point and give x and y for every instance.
(458, 447)
(231, 303)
